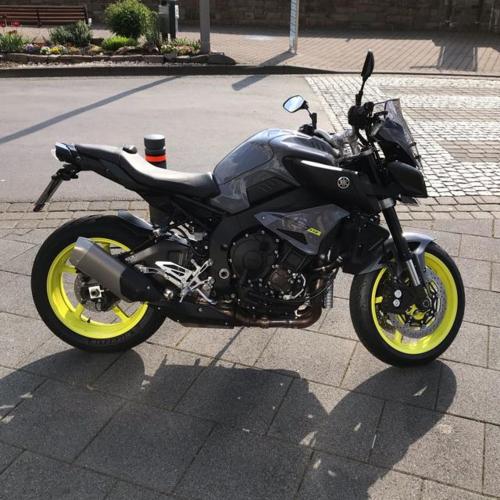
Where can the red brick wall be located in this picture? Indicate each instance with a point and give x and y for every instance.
(362, 14)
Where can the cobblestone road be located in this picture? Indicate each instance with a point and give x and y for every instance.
(455, 121)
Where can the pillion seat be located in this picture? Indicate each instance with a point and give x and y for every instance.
(158, 179)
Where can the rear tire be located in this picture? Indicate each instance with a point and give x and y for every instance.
(50, 302)
(413, 353)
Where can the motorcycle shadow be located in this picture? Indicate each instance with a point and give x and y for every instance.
(348, 430)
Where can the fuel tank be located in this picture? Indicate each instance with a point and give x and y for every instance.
(253, 172)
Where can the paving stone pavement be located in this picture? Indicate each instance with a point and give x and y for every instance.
(19, 217)
(344, 50)
(279, 414)
(455, 122)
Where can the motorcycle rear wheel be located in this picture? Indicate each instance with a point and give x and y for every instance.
(53, 278)
(383, 339)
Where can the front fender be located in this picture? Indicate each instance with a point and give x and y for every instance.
(417, 242)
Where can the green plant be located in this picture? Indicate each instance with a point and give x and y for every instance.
(115, 42)
(152, 31)
(183, 47)
(60, 34)
(12, 42)
(74, 51)
(127, 18)
(81, 33)
(78, 34)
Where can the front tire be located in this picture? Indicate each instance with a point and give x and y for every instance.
(383, 339)
(53, 279)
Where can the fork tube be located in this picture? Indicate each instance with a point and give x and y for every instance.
(404, 254)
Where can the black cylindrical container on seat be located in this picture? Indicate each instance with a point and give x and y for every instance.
(156, 153)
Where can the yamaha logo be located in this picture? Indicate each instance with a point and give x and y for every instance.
(343, 182)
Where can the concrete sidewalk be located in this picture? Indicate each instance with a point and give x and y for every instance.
(251, 413)
(341, 50)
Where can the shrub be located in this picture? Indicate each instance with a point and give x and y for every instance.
(59, 35)
(78, 34)
(115, 42)
(12, 42)
(127, 18)
(152, 31)
(81, 33)
(45, 51)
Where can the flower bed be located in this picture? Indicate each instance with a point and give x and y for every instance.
(43, 52)
(137, 38)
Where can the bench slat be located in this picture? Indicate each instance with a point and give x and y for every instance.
(43, 15)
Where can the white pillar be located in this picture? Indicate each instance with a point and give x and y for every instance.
(294, 25)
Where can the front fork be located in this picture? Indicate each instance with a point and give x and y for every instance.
(405, 256)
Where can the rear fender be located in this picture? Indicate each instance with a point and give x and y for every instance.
(417, 242)
(136, 224)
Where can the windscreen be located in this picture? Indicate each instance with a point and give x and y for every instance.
(396, 127)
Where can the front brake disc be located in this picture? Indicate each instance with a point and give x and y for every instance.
(417, 328)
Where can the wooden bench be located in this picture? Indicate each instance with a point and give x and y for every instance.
(34, 15)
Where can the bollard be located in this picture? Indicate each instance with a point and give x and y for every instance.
(163, 18)
(173, 14)
(154, 146)
(155, 153)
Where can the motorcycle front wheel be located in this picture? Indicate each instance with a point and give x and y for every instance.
(58, 291)
(415, 337)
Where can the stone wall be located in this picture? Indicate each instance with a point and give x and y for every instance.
(374, 14)
(357, 14)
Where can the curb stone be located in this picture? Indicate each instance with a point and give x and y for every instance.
(144, 69)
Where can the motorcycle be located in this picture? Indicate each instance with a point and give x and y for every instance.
(258, 242)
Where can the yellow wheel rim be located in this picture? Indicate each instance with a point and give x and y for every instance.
(420, 346)
(72, 314)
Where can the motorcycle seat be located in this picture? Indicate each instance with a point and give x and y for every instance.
(199, 185)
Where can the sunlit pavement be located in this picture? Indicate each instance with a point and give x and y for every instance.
(251, 413)
(246, 413)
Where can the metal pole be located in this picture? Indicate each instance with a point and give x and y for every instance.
(172, 4)
(205, 26)
(294, 25)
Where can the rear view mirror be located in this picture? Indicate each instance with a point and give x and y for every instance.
(293, 104)
(368, 66)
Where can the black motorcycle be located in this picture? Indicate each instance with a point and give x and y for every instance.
(258, 242)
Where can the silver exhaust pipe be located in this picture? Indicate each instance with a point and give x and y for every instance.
(124, 281)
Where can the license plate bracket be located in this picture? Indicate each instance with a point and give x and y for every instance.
(66, 173)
